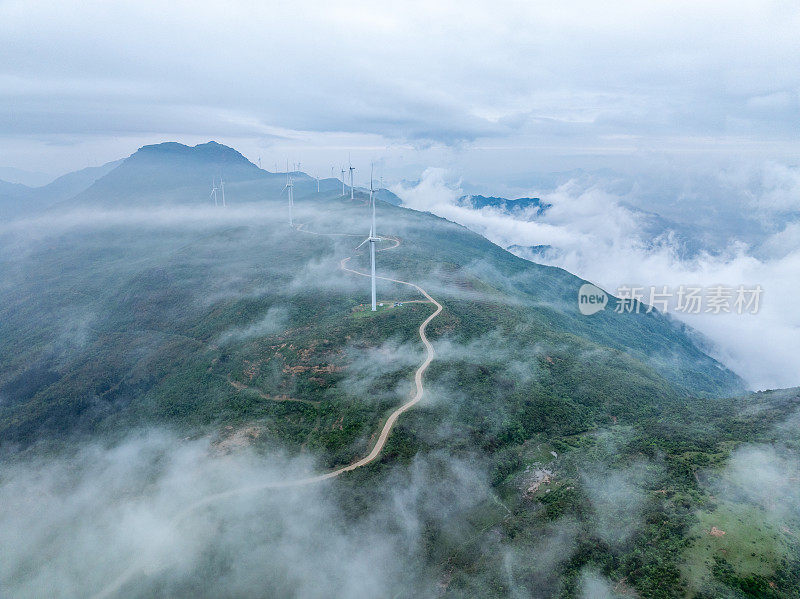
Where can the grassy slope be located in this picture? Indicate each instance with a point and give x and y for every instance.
(144, 300)
(106, 328)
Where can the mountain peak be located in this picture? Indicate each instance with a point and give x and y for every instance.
(208, 152)
(171, 173)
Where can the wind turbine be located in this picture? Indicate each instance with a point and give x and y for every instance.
(317, 178)
(372, 239)
(290, 186)
(214, 191)
(342, 180)
(222, 188)
(352, 168)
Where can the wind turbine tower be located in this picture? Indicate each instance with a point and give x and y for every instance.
(352, 168)
(342, 181)
(372, 239)
(214, 191)
(222, 188)
(290, 188)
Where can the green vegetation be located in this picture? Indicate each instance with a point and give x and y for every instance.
(741, 538)
(218, 325)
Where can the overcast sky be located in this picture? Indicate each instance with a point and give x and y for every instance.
(491, 87)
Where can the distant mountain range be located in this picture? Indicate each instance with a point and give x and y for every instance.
(526, 207)
(686, 239)
(20, 200)
(165, 174)
(28, 178)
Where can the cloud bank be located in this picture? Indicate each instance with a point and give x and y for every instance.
(508, 79)
(597, 233)
(70, 526)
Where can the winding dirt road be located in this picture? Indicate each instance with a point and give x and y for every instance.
(142, 563)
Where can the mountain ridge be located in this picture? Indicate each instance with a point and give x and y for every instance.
(243, 337)
(21, 200)
(483, 287)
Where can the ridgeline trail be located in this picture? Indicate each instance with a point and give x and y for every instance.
(142, 563)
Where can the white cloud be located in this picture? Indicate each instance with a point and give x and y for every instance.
(642, 75)
(172, 517)
(594, 235)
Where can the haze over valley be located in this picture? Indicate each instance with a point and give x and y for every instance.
(333, 301)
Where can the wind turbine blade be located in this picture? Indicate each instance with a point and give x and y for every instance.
(362, 243)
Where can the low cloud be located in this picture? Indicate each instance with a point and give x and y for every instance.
(535, 569)
(274, 321)
(595, 586)
(366, 365)
(594, 232)
(517, 359)
(173, 517)
(763, 475)
(617, 497)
